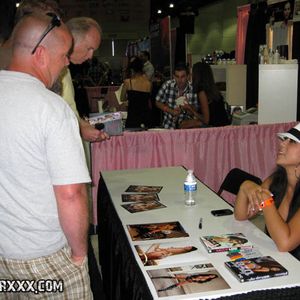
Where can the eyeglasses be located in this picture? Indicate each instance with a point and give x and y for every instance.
(55, 22)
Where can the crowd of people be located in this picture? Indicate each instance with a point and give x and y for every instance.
(43, 171)
(179, 103)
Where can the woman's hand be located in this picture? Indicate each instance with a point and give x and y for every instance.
(190, 109)
(255, 194)
(249, 198)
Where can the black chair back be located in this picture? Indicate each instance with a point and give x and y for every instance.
(234, 179)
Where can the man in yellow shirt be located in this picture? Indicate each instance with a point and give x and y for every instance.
(86, 34)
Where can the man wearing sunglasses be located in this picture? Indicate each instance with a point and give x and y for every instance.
(43, 199)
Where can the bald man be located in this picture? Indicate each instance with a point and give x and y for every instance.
(43, 199)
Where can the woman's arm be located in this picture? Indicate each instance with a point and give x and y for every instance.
(248, 199)
(204, 108)
(191, 110)
(285, 235)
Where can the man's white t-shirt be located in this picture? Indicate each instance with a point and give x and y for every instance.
(40, 146)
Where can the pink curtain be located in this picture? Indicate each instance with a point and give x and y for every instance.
(210, 152)
(242, 23)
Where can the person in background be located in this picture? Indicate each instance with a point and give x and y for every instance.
(86, 34)
(278, 197)
(43, 199)
(287, 12)
(136, 90)
(212, 106)
(148, 68)
(172, 96)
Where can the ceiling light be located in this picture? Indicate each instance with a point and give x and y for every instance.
(159, 11)
(171, 5)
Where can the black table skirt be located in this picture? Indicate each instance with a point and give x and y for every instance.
(122, 276)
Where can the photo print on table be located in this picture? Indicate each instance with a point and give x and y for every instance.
(139, 197)
(143, 189)
(153, 231)
(189, 279)
(168, 253)
(143, 206)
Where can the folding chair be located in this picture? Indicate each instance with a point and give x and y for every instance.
(234, 179)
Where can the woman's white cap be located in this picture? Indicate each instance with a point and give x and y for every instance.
(293, 134)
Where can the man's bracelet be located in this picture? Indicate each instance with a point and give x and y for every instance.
(267, 202)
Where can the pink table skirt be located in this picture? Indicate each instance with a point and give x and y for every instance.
(210, 152)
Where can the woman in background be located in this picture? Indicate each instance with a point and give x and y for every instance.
(136, 90)
(212, 105)
(287, 12)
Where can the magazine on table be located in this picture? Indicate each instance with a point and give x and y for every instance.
(143, 189)
(153, 231)
(225, 242)
(262, 267)
(139, 197)
(143, 206)
(168, 253)
(187, 279)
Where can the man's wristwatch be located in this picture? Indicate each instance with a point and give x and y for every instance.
(267, 202)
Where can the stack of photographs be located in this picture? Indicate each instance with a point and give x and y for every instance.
(142, 198)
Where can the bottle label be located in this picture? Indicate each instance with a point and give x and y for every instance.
(190, 187)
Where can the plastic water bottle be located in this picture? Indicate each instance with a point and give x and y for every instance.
(276, 57)
(190, 189)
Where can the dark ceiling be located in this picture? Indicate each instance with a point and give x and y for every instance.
(179, 6)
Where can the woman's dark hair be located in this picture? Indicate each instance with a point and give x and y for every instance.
(136, 65)
(278, 188)
(203, 80)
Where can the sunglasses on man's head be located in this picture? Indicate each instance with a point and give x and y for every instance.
(55, 22)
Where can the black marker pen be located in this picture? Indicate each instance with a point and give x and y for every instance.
(200, 223)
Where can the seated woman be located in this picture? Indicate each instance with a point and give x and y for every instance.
(136, 90)
(212, 105)
(278, 196)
